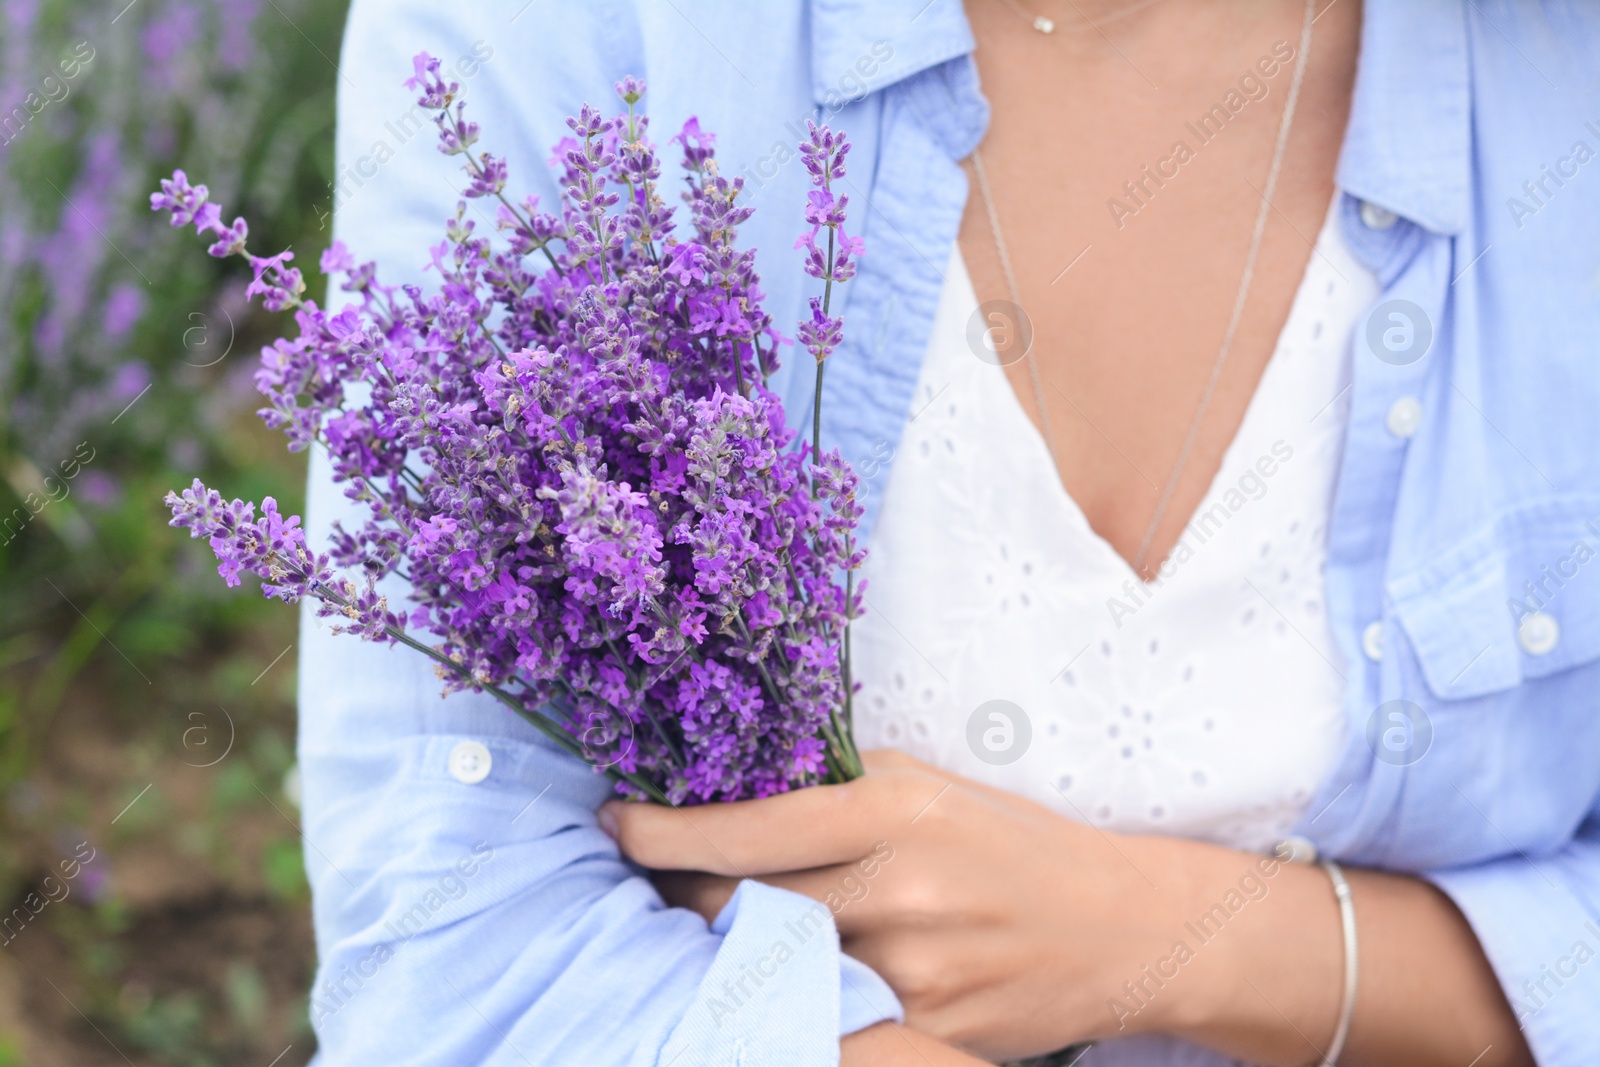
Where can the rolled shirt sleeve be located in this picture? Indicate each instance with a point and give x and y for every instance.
(491, 921)
(468, 909)
(1538, 920)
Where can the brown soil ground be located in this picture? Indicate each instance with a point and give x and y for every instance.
(186, 941)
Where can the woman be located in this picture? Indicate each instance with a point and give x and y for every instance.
(1221, 380)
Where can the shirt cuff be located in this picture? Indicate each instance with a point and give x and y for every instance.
(864, 998)
(1544, 945)
(778, 975)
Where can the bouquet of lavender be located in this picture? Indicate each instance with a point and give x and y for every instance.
(602, 515)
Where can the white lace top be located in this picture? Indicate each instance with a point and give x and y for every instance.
(1005, 640)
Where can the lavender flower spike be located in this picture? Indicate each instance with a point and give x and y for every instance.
(823, 155)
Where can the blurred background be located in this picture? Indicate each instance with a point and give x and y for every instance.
(153, 904)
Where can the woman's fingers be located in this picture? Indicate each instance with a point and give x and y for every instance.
(847, 890)
(878, 760)
(816, 827)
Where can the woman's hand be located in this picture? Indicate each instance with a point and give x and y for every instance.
(1009, 930)
(1005, 928)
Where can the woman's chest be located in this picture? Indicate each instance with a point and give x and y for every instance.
(1155, 238)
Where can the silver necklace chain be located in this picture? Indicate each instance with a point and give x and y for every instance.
(1016, 301)
(1234, 318)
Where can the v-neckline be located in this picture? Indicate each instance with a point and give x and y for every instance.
(969, 298)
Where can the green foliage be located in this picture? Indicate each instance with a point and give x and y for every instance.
(170, 1027)
(125, 360)
(284, 868)
(125, 351)
(247, 997)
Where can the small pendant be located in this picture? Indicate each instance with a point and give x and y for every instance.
(1043, 25)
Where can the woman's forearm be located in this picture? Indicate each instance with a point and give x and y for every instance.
(1008, 930)
(1266, 982)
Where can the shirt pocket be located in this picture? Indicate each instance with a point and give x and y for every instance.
(1515, 601)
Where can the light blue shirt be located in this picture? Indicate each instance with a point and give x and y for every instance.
(489, 921)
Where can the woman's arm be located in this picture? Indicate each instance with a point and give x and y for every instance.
(486, 920)
(1009, 930)
(1271, 990)
(888, 1045)
(468, 909)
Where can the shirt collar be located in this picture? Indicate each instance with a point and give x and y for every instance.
(1408, 146)
(861, 46)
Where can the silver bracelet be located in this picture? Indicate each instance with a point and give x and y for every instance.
(1347, 919)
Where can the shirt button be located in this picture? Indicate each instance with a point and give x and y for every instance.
(1372, 640)
(1296, 849)
(1538, 633)
(1404, 417)
(1374, 217)
(470, 762)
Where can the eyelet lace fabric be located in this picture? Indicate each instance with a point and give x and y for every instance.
(1005, 640)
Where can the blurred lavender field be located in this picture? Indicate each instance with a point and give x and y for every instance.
(153, 906)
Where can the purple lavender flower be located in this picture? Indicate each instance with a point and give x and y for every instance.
(823, 154)
(18, 16)
(179, 198)
(99, 489)
(124, 305)
(436, 92)
(131, 379)
(174, 29)
(167, 69)
(236, 33)
(599, 508)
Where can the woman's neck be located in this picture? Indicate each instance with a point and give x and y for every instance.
(1128, 165)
